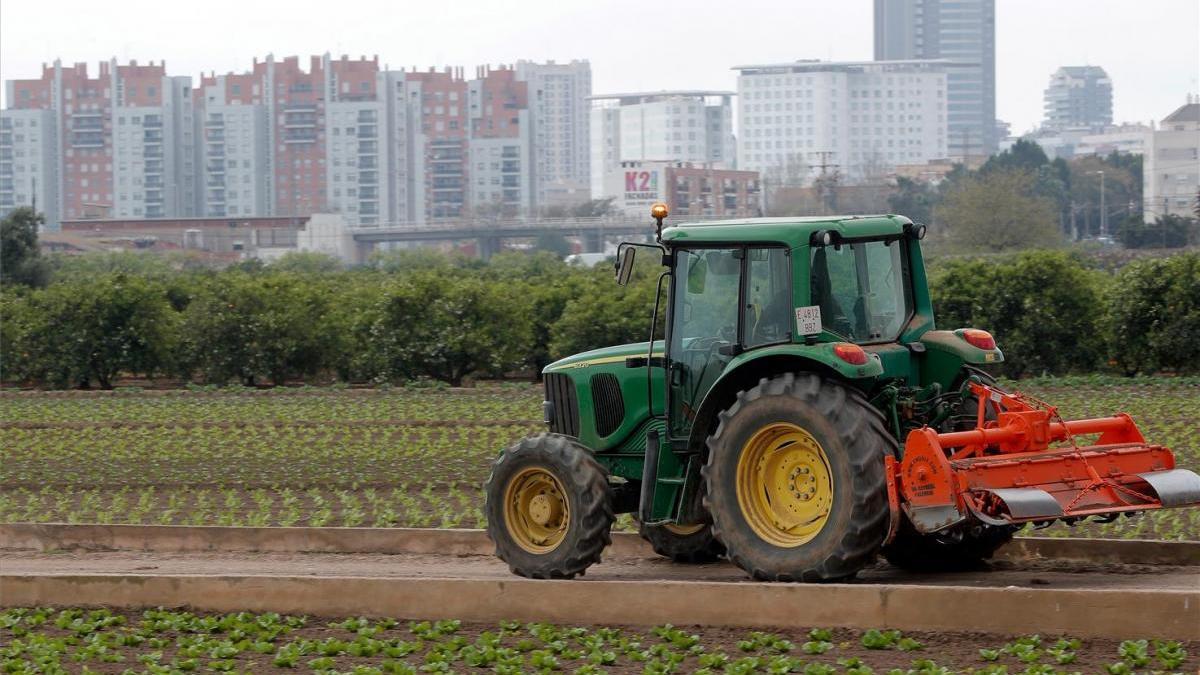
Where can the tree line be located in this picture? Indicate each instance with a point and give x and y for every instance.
(414, 316)
(1020, 198)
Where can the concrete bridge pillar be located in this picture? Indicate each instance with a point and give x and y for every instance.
(593, 241)
(488, 247)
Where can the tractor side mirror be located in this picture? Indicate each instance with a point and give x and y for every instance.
(625, 265)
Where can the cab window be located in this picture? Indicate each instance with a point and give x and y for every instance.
(860, 288)
(768, 310)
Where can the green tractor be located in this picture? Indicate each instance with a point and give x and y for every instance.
(800, 415)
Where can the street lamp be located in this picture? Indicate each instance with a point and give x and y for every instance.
(1103, 214)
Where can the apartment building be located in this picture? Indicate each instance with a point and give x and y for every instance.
(501, 165)
(1171, 178)
(689, 126)
(288, 138)
(559, 118)
(961, 31)
(28, 162)
(1078, 97)
(122, 142)
(858, 118)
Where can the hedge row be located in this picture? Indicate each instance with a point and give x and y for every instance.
(448, 320)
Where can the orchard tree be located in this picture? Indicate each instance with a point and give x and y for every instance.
(998, 211)
(450, 327)
(77, 333)
(20, 258)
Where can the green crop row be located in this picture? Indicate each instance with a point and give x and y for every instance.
(157, 641)
(377, 458)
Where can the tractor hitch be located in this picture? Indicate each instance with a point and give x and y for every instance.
(1023, 463)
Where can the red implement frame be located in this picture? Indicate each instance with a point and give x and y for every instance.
(1022, 463)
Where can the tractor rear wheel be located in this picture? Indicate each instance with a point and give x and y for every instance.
(956, 551)
(683, 543)
(549, 507)
(795, 479)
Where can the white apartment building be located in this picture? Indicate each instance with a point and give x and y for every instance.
(356, 156)
(153, 155)
(235, 175)
(1171, 177)
(688, 126)
(559, 120)
(860, 118)
(28, 163)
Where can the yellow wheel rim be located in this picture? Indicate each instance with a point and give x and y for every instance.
(536, 510)
(683, 530)
(784, 485)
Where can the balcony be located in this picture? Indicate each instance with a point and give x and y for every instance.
(367, 148)
(293, 135)
(367, 162)
(215, 167)
(89, 139)
(152, 152)
(152, 136)
(215, 122)
(152, 122)
(87, 120)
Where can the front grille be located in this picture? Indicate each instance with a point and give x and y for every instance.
(564, 404)
(609, 406)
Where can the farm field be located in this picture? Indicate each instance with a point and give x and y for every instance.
(164, 641)
(381, 458)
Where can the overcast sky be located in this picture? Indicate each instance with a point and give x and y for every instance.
(1150, 48)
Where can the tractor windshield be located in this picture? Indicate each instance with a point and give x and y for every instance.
(861, 290)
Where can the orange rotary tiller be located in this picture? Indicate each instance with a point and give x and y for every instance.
(1022, 463)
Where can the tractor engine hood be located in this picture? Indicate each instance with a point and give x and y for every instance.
(605, 356)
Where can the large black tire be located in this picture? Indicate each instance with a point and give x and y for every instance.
(681, 544)
(582, 528)
(967, 547)
(854, 440)
(956, 551)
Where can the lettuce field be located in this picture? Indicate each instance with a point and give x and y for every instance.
(378, 458)
(161, 641)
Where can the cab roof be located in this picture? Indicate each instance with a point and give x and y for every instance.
(792, 231)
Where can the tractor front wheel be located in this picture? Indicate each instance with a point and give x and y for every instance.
(795, 480)
(549, 507)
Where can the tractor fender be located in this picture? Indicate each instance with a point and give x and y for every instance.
(946, 352)
(746, 369)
